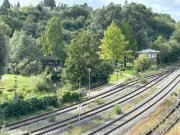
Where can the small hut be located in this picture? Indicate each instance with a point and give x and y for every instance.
(150, 54)
(50, 61)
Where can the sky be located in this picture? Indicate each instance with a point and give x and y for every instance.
(171, 7)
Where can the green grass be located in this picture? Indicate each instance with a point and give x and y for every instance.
(122, 75)
(113, 78)
(25, 86)
(22, 81)
(129, 70)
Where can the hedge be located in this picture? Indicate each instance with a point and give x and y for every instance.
(24, 107)
(70, 97)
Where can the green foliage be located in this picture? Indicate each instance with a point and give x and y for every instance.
(49, 3)
(52, 118)
(142, 80)
(14, 23)
(162, 24)
(162, 45)
(6, 4)
(131, 46)
(153, 67)
(2, 53)
(52, 40)
(116, 110)
(70, 96)
(99, 101)
(22, 47)
(79, 57)
(5, 29)
(141, 64)
(42, 85)
(112, 45)
(24, 107)
(26, 68)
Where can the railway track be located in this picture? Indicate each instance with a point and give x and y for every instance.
(97, 110)
(172, 125)
(167, 122)
(138, 110)
(105, 94)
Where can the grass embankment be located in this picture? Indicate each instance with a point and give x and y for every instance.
(149, 122)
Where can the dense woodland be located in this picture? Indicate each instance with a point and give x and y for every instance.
(82, 37)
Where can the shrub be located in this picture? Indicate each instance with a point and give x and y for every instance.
(23, 107)
(142, 80)
(141, 64)
(99, 101)
(70, 97)
(26, 67)
(122, 69)
(42, 85)
(116, 110)
(153, 67)
(52, 118)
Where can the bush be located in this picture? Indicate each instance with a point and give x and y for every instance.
(70, 97)
(52, 118)
(153, 67)
(116, 110)
(23, 107)
(142, 80)
(141, 64)
(122, 69)
(26, 67)
(42, 85)
(99, 101)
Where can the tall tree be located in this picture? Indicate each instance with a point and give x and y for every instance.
(2, 52)
(81, 55)
(5, 29)
(113, 44)
(52, 39)
(22, 47)
(6, 4)
(174, 42)
(131, 46)
(18, 5)
(50, 3)
(165, 49)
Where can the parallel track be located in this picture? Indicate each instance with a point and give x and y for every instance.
(93, 112)
(105, 94)
(128, 114)
(151, 131)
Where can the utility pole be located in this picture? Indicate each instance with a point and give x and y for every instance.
(15, 86)
(89, 80)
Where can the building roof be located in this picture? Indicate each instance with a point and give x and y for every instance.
(148, 51)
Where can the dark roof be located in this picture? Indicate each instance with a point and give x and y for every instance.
(148, 51)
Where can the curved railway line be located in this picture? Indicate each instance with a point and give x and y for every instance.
(88, 114)
(104, 94)
(138, 110)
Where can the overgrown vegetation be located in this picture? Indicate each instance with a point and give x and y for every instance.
(116, 110)
(24, 107)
